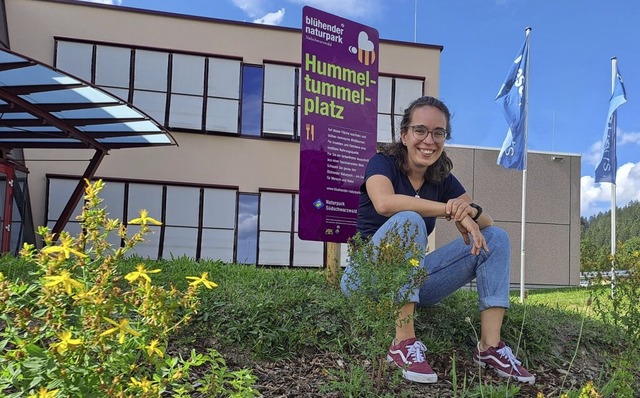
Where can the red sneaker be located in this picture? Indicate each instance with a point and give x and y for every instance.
(502, 360)
(409, 356)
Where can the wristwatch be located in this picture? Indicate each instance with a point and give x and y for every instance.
(479, 211)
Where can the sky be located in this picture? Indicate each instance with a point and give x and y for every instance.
(572, 43)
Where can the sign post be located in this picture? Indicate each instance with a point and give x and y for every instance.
(338, 125)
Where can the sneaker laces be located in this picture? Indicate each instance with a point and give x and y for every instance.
(505, 352)
(417, 350)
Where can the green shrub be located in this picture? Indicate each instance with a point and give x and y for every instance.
(78, 328)
(382, 279)
(620, 305)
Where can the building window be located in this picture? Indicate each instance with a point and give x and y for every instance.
(308, 253)
(251, 121)
(280, 105)
(113, 65)
(218, 95)
(150, 83)
(247, 239)
(200, 222)
(181, 222)
(223, 95)
(218, 224)
(75, 59)
(187, 92)
(149, 197)
(276, 214)
(394, 96)
(385, 101)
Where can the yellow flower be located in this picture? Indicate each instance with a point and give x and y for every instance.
(144, 219)
(143, 384)
(1, 276)
(92, 189)
(27, 250)
(152, 348)
(121, 327)
(65, 248)
(43, 392)
(65, 342)
(140, 273)
(414, 262)
(86, 295)
(589, 391)
(203, 279)
(65, 279)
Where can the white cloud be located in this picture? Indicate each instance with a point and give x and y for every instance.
(247, 225)
(593, 156)
(360, 9)
(623, 138)
(112, 2)
(272, 18)
(596, 197)
(256, 10)
(252, 8)
(628, 183)
(629, 138)
(345, 8)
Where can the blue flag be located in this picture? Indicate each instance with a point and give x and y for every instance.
(512, 97)
(608, 164)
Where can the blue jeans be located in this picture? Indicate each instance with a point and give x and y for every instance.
(452, 266)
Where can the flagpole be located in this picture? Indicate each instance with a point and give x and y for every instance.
(614, 68)
(527, 31)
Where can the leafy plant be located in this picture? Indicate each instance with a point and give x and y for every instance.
(79, 328)
(382, 279)
(620, 305)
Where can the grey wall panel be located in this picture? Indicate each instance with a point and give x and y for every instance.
(548, 189)
(497, 189)
(546, 254)
(548, 251)
(463, 166)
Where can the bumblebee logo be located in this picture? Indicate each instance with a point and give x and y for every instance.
(365, 50)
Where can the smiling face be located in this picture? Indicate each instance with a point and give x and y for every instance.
(424, 152)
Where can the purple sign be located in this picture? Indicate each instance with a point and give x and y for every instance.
(339, 117)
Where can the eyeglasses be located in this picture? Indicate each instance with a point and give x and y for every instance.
(421, 132)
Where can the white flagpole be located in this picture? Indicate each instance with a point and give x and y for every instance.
(614, 68)
(524, 171)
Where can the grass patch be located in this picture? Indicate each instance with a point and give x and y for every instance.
(576, 299)
(283, 313)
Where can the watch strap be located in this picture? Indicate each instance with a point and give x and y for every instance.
(478, 209)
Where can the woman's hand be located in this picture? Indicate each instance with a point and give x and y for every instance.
(457, 209)
(469, 227)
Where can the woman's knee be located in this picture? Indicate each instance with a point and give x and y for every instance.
(414, 220)
(497, 238)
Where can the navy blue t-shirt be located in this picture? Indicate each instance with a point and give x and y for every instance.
(368, 218)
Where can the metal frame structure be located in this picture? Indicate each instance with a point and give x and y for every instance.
(44, 107)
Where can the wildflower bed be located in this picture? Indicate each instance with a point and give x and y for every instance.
(74, 327)
(299, 339)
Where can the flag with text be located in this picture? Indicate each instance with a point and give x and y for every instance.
(608, 164)
(512, 97)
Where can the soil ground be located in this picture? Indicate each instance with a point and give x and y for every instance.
(310, 374)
